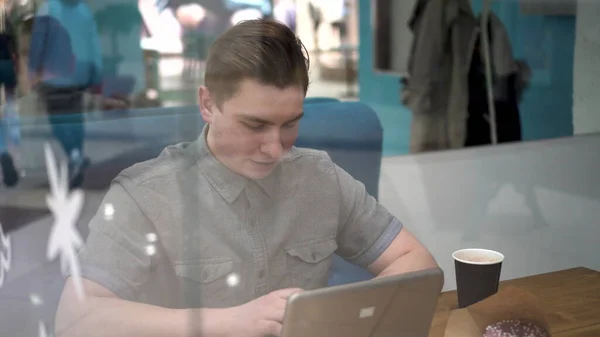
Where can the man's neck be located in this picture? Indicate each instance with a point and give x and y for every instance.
(209, 141)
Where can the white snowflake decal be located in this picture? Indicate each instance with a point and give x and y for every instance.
(42, 330)
(4, 258)
(66, 209)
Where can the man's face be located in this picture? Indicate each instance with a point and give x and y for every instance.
(255, 128)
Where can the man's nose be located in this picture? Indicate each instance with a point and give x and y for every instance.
(273, 146)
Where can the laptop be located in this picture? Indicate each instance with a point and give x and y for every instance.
(398, 305)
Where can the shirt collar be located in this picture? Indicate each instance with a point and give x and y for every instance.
(270, 183)
(228, 183)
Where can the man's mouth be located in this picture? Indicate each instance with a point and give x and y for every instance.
(270, 163)
(265, 164)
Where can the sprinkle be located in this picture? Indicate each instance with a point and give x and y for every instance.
(514, 328)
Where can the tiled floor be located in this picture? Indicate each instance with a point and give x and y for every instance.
(31, 274)
(30, 198)
(14, 217)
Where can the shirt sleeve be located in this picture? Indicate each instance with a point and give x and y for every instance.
(366, 227)
(115, 254)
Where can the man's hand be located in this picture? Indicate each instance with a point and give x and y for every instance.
(115, 103)
(260, 317)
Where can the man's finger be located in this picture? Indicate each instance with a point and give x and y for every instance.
(280, 304)
(275, 307)
(286, 293)
(272, 328)
(275, 311)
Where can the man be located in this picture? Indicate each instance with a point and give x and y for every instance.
(10, 134)
(65, 61)
(213, 236)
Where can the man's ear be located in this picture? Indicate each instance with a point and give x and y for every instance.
(207, 104)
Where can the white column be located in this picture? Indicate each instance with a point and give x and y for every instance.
(586, 72)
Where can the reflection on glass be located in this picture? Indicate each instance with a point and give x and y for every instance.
(457, 92)
(109, 84)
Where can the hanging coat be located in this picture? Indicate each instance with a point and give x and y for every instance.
(509, 79)
(436, 90)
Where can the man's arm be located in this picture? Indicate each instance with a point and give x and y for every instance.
(372, 237)
(37, 42)
(405, 254)
(104, 314)
(96, 50)
(114, 268)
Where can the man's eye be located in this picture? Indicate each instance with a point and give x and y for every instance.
(290, 125)
(255, 127)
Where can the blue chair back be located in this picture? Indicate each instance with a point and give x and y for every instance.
(352, 135)
(319, 99)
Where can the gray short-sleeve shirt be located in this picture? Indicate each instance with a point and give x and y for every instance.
(182, 230)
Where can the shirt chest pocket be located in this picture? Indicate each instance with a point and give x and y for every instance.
(310, 263)
(205, 283)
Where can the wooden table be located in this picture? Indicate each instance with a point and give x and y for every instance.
(570, 297)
